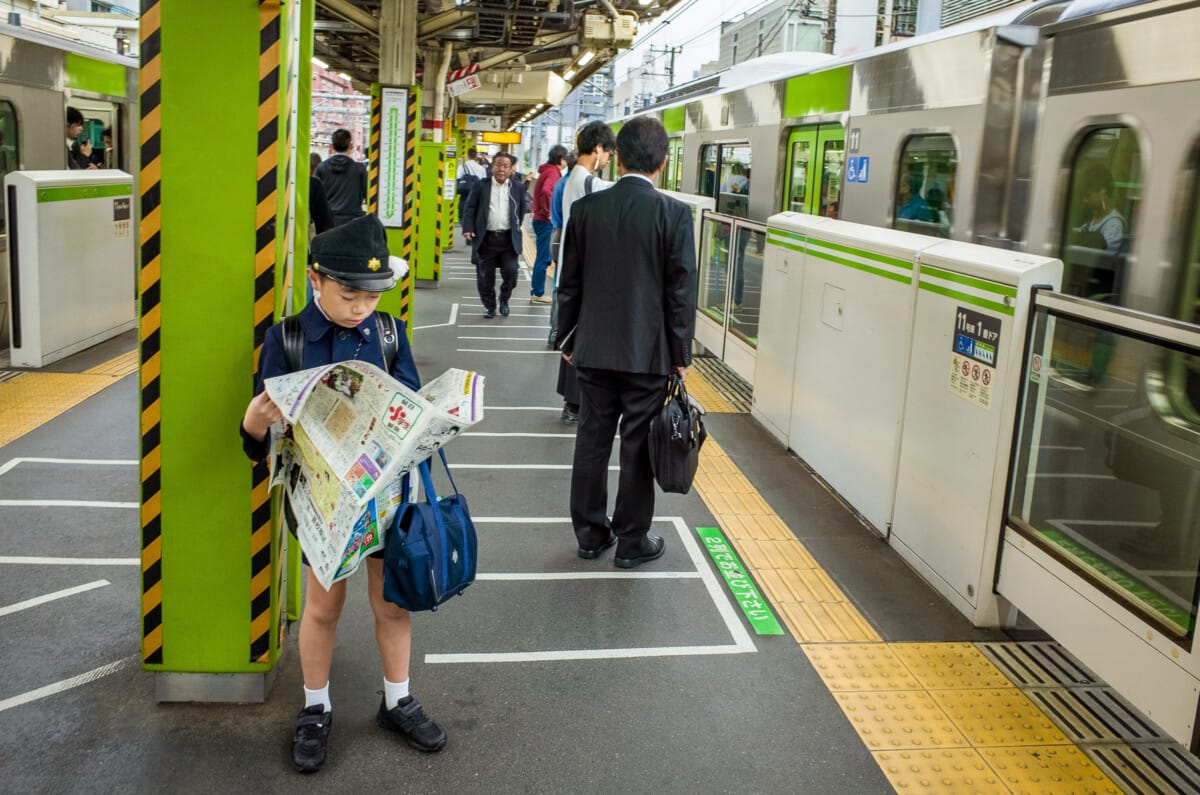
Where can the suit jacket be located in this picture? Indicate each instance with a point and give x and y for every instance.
(475, 213)
(627, 289)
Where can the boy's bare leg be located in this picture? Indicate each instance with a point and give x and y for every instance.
(393, 626)
(318, 629)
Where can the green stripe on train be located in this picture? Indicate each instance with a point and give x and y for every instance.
(970, 281)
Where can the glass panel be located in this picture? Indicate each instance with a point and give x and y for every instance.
(925, 189)
(831, 178)
(714, 269)
(747, 284)
(734, 198)
(675, 169)
(1105, 188)
(1108, 479)
(9, 160)
(798, 186)
(708, 171)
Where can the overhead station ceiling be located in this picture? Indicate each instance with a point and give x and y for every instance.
(529, 51)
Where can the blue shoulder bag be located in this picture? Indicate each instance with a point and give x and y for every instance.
(429, 550)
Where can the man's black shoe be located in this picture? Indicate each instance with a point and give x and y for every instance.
(504, 308)
(489, 314)
(570, 414)
(651, 549)
(311, 742)
(592, 554)
(407, 718)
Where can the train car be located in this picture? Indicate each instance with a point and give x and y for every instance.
(40, 76)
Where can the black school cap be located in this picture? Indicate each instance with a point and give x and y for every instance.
(354, 254)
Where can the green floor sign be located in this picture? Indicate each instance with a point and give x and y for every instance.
(757, 611)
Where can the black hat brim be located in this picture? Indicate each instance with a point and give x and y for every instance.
(375, 283)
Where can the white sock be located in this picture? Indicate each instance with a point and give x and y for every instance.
(393, 692)
(321, 696)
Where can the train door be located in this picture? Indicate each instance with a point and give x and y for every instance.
(813, 180)
(672, 176)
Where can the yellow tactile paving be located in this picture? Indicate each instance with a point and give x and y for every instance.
(849, 667)
(899, 720)
(118, 366)
(998, 718)
(937, 717)
(708, 397)
(952, 771)
(1047, 769)
(32, 399)
(941, 666)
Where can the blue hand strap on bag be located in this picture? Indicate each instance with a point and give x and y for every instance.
(429, 552)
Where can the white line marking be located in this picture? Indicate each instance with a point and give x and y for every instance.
(522, 408)
(459, 278)
(12, 463)
(742, 642)
(453, 320)
(457, 467)
(545, 353)
(529, 435)
(9, 465)
(497, 325)
(67, 684)
(66, 504)
(50, 597)
(589, 575)
(541, 339)
(31, 561)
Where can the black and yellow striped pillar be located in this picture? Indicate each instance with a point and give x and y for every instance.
(392, 182)
(215, 236)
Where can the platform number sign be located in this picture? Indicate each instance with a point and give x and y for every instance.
(858, 169)
(974, 352)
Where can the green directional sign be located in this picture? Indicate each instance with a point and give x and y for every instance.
(393, 140)
(753, 605)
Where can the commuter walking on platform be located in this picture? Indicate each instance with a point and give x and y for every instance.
(341, 324)
(549, 173)
(344, 179)
(596, 143)
(492, 225)
(627, 312)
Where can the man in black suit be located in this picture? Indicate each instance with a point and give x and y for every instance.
(491, 223)
(626, 314)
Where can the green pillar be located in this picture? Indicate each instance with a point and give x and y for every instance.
(213, 241)
(430, 213)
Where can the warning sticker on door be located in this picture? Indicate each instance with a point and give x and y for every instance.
(973, 361)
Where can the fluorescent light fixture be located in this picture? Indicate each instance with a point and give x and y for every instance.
(587, 57)
(540, 105)
(569, 74)
(645, 2)
(318, 62)
(345, 76)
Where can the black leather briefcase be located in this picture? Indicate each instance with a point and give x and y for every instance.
(676, 436)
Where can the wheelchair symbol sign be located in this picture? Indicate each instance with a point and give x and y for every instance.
(858, 169)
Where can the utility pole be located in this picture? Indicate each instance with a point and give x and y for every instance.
(670, 52)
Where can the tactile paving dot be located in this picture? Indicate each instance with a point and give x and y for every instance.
(960, 771)
(1048, 769)
(940, 666)
(859, 666)
(898, 720)
(998, 717)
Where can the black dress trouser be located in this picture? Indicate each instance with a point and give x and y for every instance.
(607, 397)
(495, 251)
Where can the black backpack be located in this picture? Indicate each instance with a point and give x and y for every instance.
(464, 183)
(293, 341)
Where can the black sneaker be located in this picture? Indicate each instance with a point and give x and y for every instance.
(311, 742)
(409, 719)
(570, 414)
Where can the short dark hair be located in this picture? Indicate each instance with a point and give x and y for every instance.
(642, 145)
(74, 116)
(572, 159)
(558, 153)
(341, 140)
(512, 160)
(595, 134)
(472, 152)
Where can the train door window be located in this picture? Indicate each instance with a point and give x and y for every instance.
(9, 160)
(924, 198)
(725, 175)
(673, 174)
(799, 153)
(1105, 187)
(1183, 372)
(833, 155)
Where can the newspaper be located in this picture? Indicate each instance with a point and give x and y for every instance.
(350, 434)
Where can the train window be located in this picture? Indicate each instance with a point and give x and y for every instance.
(9, 160)
(924, 198)
(798, 190)
(725, 175)
(1106, 185)
(673, 174)
(831, 178)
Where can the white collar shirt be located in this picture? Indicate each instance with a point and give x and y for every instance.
(497, 220)
(576, 188)
(472, 167)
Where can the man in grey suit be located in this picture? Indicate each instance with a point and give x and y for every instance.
(491, 223)
(627, 312)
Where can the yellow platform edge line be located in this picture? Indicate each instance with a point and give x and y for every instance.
(703, 392)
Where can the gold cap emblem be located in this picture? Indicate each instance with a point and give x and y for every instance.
(373, 264)
(316, 266)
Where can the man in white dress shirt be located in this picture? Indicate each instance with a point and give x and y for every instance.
(491, 223)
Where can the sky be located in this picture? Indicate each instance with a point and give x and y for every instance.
(694, 25)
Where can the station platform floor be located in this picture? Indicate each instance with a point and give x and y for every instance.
(551, 673)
